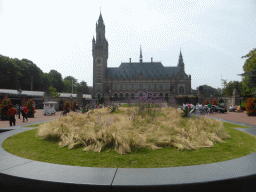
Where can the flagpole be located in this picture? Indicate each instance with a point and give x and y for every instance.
(72, 86)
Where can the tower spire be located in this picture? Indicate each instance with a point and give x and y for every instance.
(180, 62)
(100, 20)
(140, 54)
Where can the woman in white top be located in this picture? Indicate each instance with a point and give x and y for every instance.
(197, 108)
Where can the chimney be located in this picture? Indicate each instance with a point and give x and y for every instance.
(130, 60)
(151, 60)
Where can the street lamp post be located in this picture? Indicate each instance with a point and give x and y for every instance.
(19, 91)
(71, 101)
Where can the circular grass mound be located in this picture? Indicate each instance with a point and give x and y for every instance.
(49, 149)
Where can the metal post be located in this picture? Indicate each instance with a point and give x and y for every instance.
(19, 107)
(19, 91)
(31, 82)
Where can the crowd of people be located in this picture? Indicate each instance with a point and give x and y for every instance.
(199, 107)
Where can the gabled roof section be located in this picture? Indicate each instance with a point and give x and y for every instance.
(153, 70)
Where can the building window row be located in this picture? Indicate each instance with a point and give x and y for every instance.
(141, 86)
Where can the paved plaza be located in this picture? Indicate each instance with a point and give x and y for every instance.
(28, 175)
(230, 116)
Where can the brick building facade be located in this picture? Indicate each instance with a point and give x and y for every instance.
(130, 78)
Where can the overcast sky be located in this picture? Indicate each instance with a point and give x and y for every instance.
(56, 34)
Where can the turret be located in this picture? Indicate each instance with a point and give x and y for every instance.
(140, 55)
(93, 45)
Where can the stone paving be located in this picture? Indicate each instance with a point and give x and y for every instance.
(241, 117)
(39, 116)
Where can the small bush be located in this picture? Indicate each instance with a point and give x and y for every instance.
(31, 108)
(73, 107)
(215, 102)
(251, 106)
(4, 107)
(206, 102)
(66, 105)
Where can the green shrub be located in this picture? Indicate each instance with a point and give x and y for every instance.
(4, 107)
(31, 108)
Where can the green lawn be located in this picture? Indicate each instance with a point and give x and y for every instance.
(28, 146)
(35, 125)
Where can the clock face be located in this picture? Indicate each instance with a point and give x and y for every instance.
(98, 60)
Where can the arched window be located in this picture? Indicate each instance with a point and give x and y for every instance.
(121, 95)
(126, 95)
(181, 89)
(133, 96)
(115, 96)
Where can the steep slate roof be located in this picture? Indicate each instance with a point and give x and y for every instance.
(149, 70)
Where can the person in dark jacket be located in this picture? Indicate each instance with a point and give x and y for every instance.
(11, 114)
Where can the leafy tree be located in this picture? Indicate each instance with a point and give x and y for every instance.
(249, 65)
(55, 80)
(8, 73)
(208, 91)
(230, 86)
(82, 86)
(53, 92)
(68, 84)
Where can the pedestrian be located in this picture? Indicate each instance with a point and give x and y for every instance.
(11, 114)
(197, 109)
(24, 113)
(209, 108)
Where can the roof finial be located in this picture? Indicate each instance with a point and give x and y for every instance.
(140, 54)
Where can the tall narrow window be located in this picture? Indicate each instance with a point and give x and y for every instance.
(181, 89)
(161, 87)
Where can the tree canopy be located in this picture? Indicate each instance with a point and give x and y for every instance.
(249, 65)
(16, 73)
(208, 91)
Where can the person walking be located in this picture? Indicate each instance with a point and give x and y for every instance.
(11, 114)
(197, 109)
(24, 113)
(209, 108)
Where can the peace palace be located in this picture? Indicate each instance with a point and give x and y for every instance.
(130, 78)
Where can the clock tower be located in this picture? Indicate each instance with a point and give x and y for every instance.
(100, 57)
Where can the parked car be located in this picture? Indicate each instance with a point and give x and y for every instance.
(218, 109)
